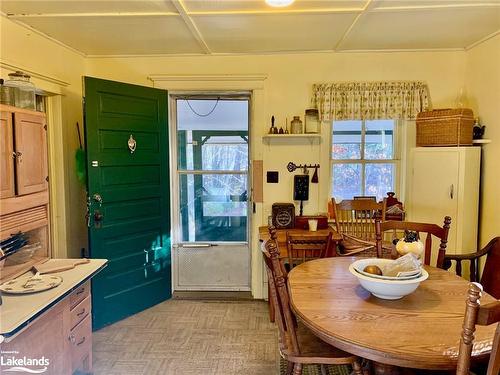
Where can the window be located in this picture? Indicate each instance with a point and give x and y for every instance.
(364, 158)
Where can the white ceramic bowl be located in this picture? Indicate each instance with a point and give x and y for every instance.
(381, 288)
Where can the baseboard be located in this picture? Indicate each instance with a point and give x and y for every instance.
(215, 295)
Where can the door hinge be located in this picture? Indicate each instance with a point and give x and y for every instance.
(45, 127)
(47, 178)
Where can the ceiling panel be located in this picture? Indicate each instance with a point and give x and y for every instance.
(431, 3)
(260, 5)
(82, 6)
(436, 28)
(273, 33)
(119, 35)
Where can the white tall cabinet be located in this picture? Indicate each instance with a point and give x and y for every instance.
(444, 181)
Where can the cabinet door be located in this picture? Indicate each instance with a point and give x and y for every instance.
(31, 153)
(6, 156)
(46, 337)
(434, 190)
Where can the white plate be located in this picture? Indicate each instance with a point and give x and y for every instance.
(26, 286)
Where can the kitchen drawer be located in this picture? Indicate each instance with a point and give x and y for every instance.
(79, 294)
(80, 311)
(80, 339)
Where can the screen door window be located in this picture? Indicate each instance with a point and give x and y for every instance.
(212, 164)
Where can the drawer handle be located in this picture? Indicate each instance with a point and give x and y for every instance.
(81, 312)
(80, 291)
(72, 339)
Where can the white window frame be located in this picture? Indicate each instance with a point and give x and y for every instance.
(396, 160)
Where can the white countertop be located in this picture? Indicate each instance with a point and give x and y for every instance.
(17, 311)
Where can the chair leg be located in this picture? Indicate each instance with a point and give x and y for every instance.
(289, 368)
(270, 304)
(323, 370)
(297, 369)
(357, 369)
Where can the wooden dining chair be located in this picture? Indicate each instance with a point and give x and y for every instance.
(490, 279)
(475, 314)
(354, 220)
(397, 227)
(297, 344)
(304, 247)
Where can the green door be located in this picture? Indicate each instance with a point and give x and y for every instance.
(129, 197)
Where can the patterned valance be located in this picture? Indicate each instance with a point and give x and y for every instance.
(370, 100)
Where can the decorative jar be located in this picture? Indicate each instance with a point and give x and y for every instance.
(312, 121)
(23, 90)
(296, 125)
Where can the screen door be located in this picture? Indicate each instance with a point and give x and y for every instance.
(211, 250)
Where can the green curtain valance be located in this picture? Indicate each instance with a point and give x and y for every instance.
(370, 100)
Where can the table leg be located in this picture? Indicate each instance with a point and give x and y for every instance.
(383, 369)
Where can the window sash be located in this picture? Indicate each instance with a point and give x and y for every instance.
(396, 161)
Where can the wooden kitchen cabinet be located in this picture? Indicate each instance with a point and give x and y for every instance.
(62, 334)
(7, 184)
(23, 141)
(24, 198)
(31, 152)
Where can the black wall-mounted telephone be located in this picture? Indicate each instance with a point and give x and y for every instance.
(301, 188)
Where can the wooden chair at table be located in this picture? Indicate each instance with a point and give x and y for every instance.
(475, 314)
(297, 344)
(304, 247)
(354, 220)
(420, 228)
(490, 279)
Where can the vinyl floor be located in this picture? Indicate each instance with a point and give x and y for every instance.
(186, 337)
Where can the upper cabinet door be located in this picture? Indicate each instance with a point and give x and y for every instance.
(31, 153)
(6, 156)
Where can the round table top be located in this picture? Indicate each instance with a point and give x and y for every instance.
(421, 330)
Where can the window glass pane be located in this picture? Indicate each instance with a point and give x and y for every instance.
(212, 134)
(346, 181)
(379, 179)
(346, 140)
(213, 207)
(379, 139)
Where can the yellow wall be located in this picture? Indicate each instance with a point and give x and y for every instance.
(482, 80)
(286, 92)
(27, 50)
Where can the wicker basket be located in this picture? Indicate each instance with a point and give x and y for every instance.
(445, 127)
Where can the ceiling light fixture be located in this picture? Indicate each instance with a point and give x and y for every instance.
(279, 3)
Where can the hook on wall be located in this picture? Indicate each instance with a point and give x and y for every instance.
(291, 167)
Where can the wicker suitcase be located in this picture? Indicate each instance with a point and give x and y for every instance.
(445, 127)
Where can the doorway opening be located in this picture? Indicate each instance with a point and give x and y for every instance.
(210, 213)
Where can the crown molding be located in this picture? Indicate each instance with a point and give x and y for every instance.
(42, 34)
(481, 41)
(207, 77)
(12, 66)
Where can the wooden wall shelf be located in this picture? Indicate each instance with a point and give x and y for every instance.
(283, 138)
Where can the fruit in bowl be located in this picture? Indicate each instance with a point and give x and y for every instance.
(386, 287)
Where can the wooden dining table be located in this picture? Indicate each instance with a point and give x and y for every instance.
(419, 331)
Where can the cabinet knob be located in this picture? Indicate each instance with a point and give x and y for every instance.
(18, 155)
